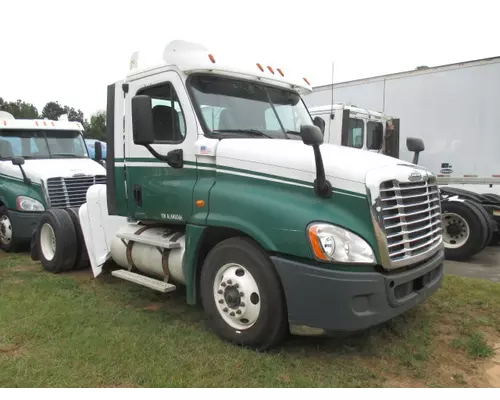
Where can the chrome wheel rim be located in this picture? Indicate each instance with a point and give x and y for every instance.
(237, 296)
(5, 230)
(456, 230)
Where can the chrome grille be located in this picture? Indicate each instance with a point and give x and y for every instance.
(410, 215)
(71, 192)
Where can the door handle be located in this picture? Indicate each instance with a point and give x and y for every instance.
(138, 195)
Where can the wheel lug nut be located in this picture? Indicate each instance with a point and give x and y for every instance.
(241, 294)
(236, 286)
(221, 301)
(238, 312)
(242, 304)
(225, 310)
(231, 314)
(220, 292)
(223, 284)
(229, 281)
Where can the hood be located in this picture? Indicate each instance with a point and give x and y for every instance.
(345, 167)
(64, 167)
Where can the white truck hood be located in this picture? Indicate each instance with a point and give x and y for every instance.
(64, 167)
(345, 167)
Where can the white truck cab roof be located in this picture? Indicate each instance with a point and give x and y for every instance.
(370, 114)
(191, 58)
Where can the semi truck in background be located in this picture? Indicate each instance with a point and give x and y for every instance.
(452, 108)
(218, 180)
(43, 164)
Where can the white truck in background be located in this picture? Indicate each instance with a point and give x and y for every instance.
(43, 164)
(452, 108)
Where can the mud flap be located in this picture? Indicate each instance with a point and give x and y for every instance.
(33, 247)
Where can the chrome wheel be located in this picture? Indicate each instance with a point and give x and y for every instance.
(236, 296)
(456, 230)
(48, 242)
(5, 230)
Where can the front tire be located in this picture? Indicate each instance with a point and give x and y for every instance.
(8, 240)
(56, 241)
(242, 295)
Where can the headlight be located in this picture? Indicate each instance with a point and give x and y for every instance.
(28, 204)
(332, 243)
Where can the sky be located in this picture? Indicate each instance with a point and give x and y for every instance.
(69, 51)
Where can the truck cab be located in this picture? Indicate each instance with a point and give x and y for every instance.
(359, 128)
(43, 164)
(219, 180)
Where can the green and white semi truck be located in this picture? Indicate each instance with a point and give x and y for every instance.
(218, 180)
(43, 164)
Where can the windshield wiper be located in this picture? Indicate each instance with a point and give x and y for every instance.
(295, 133)
(65, 155)
(250, 131)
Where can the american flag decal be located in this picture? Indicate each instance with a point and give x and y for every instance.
(204, 150)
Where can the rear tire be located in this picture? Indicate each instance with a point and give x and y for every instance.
(488, 221)
(242, 295)
(464, 230)
(8, 240)
(56, 241)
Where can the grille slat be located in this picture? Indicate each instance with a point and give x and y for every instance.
(71, 192)
(411, 217)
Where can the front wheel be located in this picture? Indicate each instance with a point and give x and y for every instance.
(242, 295)
(8, 240)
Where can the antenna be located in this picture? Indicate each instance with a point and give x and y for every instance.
(331, 111)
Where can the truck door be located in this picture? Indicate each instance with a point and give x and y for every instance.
(157, 191)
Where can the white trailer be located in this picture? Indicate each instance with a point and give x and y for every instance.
(453, 108)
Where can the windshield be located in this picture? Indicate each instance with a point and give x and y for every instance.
(39, 144)
(235, 106)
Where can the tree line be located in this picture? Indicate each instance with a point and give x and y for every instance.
(95, 127)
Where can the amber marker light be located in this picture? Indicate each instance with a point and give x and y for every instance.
(316, 245)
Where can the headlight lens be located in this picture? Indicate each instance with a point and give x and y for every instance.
(28, 204)
(332, 243)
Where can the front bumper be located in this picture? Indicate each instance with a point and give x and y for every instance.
(320, 300)
(23, 224)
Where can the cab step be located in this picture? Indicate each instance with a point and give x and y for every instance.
(142, 280)
(165, 244)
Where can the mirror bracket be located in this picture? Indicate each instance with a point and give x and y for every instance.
(19, 161)
(174, 158)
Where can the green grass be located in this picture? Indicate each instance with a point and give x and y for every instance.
(76, 331)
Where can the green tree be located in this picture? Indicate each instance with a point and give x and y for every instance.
(96, 128)
(53, 110)
(19, 109)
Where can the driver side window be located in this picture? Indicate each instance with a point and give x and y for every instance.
(168, 117)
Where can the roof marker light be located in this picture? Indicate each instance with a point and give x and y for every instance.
(53, 124)
(36, 123)
(44, 123)
(5, 123)
(212, 58)
(281, 72)
(260, 67)
(270, 69)
(306, 81)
